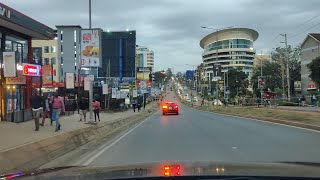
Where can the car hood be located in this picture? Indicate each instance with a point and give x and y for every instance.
(279, 169)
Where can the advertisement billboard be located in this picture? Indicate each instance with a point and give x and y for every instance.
(31, 69)
(143, 73)
(46, 74)
(20, 79)
(37, 55)
(90, 48)
(9, 64)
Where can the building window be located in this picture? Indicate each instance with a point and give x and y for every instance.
(46, 49)
(53, 60)
(61, 36)
(53, 49)
(46, 61)
(61, 60)
(61, 49)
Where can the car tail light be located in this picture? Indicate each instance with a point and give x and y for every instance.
(164, 107)
(171, 170)
(176, 107)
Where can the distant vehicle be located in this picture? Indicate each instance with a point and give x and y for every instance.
(170, 107)
(188, 99)
(217, 102)
(195, 99)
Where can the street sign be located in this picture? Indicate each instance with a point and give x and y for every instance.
(261, 82)
(105, 89)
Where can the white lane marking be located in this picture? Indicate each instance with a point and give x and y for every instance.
(95, 154)
(261, 121)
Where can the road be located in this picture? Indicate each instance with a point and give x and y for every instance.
(202, 136)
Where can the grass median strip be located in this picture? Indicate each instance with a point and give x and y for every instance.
(305, 117)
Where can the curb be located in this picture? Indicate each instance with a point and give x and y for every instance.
(35, 154)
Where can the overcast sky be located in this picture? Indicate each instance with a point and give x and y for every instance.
(172, 28)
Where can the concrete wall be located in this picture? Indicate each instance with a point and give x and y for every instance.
(309, 51)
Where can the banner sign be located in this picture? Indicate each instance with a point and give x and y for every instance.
(20, 79)
(90, 48)
(105, 89)
(134, 93)
(70, 80)
(9, 62)
(31, 69)
(261, 82)
(114, 92)
(143, 73)
(47, 74)
(118, 94)
(87, 83)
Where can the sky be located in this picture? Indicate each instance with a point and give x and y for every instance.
(172, 28)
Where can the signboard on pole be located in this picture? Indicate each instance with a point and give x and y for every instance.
(105, 89)
(87, 83)
(70, 81)
(261, 82)
(134, 93)
(9, 63)
(47, 74)
(90, 48)
(114, 93)
(118, 94)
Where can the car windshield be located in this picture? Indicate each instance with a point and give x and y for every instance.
(114, 83)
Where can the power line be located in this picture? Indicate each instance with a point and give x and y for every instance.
(292, 37)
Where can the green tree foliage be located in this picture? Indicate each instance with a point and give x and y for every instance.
(238, 82)
(314, 67)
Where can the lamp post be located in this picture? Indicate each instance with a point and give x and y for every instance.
(192, 82)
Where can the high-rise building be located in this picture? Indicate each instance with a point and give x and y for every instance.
(118, 51)
(144, 57)
(232, 48)
(310, 49)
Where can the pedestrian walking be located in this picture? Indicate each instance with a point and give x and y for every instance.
(37, 105)
(96, 109)
(83, 107)
(139, 106)
(303, 100)
(202, 102)
(57, 108)
(46, 111)
(134, 105)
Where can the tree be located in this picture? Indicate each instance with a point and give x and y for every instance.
(238, 82)
(272, 71)
(314, 68)
(159, 76)
(279, 55)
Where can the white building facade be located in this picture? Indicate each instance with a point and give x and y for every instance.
(232, 48)
(144, 57)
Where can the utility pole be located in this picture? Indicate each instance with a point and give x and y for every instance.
(287, 64)
(261, 91)
(89, 14)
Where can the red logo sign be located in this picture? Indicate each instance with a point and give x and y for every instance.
(312, 86)
(31, 70)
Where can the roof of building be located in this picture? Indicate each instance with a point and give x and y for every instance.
(254, 34)
(315, 36)
(19, 22)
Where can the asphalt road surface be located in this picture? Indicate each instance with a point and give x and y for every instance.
(202, 136)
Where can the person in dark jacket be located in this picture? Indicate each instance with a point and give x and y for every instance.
(83, 106)
(36, 103)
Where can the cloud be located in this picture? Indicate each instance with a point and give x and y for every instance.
(172, 28)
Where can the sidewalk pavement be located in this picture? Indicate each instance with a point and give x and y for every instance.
(300, 108)
(13, 135)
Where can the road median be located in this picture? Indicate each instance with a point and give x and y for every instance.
(303, 119)
(35, 154)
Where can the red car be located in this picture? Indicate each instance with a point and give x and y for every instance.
(170, 107)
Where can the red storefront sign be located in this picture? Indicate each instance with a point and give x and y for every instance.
(312, 86)
(31, 69)
(53, 85)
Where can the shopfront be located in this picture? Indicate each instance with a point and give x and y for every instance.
(16, 32)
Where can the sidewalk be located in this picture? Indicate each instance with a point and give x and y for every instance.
(17, 134)
(300, 108)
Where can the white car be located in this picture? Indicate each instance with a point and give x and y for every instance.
(188, 100)
(195, 99)
(217, 102)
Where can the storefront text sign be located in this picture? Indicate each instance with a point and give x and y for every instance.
(31, 69)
